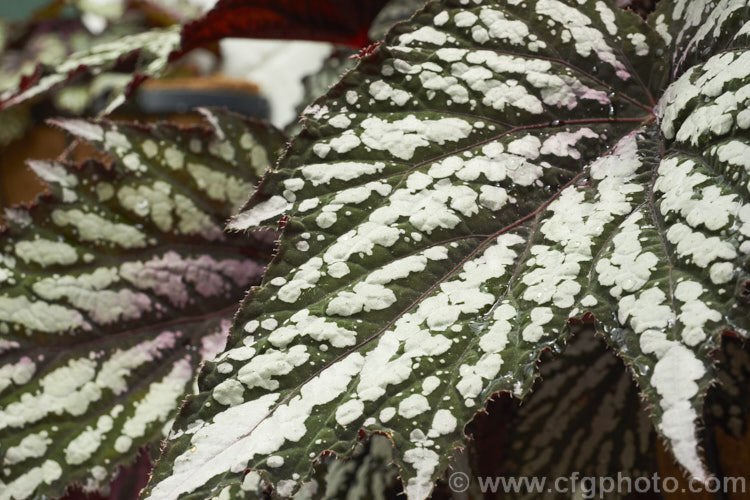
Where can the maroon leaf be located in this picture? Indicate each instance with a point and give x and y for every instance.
(337, 21)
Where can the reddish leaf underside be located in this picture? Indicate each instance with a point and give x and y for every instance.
(337, 21)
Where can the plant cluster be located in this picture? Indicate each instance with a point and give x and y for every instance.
(493, 181)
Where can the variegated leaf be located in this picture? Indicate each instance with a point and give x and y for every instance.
(369, 474)
(144, 55)
(694, 30)
(678, 266)
(114, 288)
(491, 170)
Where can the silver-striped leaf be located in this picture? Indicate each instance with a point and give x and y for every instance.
(148, 53)
(114, 287)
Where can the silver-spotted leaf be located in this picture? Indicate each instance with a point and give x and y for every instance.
(676, 271)
(34, 51)
(143, 55)
(694, 30)
(491, 170)
(368, 474)
(114, 288)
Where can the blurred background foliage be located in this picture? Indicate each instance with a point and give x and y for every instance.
(266, 79)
